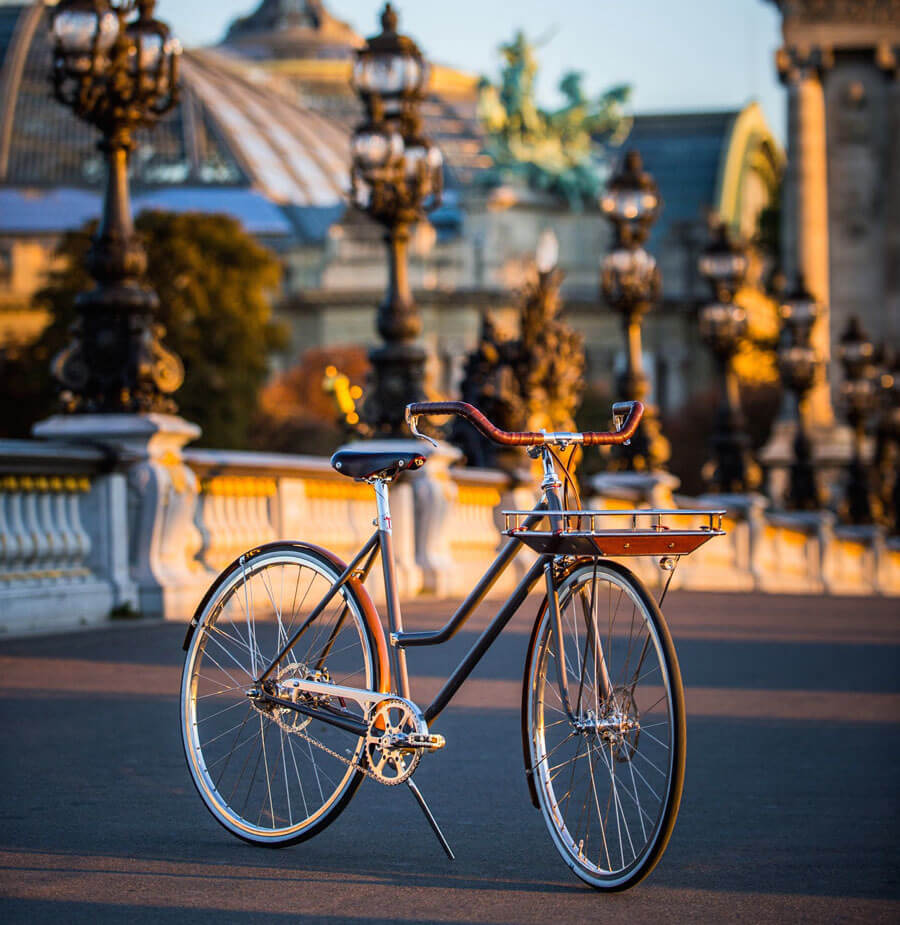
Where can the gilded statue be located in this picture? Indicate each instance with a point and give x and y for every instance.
(560, 151)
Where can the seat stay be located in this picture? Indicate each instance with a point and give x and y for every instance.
(362, 575)
(338, 583)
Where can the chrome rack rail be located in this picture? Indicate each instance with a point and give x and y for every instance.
(646, 531)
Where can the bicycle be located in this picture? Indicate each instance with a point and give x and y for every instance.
(291, 694)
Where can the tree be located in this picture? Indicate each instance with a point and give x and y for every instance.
(297, 414)
(214, 283)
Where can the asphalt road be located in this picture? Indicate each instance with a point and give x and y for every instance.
(790, 810)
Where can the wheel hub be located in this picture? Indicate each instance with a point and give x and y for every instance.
(617, 724)
(286, 686)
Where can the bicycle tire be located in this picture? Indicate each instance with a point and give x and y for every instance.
(614, 729)
(214, 701)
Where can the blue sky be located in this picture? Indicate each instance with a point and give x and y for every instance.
(677, 54)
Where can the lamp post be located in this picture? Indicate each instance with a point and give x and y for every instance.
(887, 448)
(858, 396)
(630, 282)
(799, 368)
(396, 176)
(723, 324)
(116, 67)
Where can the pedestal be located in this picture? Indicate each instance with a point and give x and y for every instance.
(160, 534)
(832, 448)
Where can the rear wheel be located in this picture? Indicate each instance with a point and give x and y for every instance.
(252, 763)
(605, 726)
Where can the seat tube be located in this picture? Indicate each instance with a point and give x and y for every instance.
(395, 619)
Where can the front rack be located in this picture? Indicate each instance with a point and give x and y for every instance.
(643, 532)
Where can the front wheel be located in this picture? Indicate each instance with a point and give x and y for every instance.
(604, 725)
(271, 775)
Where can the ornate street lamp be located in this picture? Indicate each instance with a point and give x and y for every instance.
(858, 396)
(723, 324)
(396, 176)
(799, 368)
(116, 67)
(631, 284)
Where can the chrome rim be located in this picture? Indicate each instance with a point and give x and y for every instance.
(256, 772)
(603, 769)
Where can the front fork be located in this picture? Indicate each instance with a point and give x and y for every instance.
(592, 649)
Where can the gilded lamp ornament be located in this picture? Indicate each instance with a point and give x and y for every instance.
(396, 177)
(631, 284)
(116, 67)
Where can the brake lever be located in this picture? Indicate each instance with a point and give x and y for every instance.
(412, 421)
(620, 412)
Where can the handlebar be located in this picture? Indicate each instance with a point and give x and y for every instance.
(626, 416)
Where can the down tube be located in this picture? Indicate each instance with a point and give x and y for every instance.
(484, 641)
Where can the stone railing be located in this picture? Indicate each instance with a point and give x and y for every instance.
(135, 523)
(779, 551)
(62, 514)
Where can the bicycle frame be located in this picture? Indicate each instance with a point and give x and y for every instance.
(359, 567)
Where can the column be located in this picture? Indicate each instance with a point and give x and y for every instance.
(805, 204)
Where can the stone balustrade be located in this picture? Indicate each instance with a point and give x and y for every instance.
(59, 562)
(90, 530)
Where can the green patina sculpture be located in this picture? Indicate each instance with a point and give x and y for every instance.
(561, 151)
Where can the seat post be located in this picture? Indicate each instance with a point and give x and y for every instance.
(395, 619)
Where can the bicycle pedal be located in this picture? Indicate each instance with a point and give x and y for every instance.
(430, 741)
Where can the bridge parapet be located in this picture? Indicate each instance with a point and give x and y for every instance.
(89, 530)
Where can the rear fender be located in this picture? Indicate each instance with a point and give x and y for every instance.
(369, 613)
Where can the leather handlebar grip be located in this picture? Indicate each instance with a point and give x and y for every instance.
(617, 437)
(477, 419)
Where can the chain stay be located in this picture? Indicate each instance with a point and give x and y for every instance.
(359, 764)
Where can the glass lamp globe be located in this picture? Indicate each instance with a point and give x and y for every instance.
(631, 199)
(388, 74)
(389, 66)
(637, 264)
(726, 268)
(724, 263)
(372, 149)
(797, 366)
(629, 205)
(723, 324)
(81, 26)
(422, 163)
(799, 312)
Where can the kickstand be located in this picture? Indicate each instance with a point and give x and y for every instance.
(431, 820)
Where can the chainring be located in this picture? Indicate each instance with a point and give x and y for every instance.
(387, 764)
